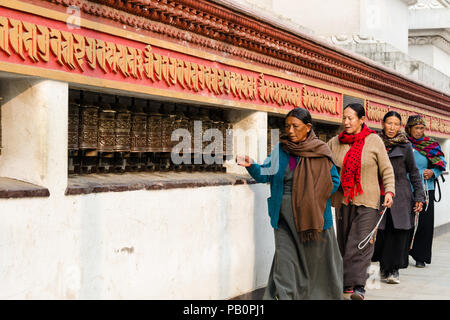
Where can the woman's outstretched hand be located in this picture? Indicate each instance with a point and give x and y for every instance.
(244, 161)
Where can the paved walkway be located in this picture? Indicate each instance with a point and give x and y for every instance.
(429, 283)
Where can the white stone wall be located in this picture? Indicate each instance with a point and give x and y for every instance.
(442, 212)
(204, 243)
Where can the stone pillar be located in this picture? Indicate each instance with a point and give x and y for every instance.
(34, 123)
(249, 137)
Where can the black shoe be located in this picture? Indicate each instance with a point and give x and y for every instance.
(358, 293)
(420, 264)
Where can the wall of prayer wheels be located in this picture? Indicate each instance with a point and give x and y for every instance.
(116, 134)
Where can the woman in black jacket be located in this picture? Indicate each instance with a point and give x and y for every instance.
(392, 243)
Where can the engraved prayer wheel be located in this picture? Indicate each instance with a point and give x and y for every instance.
(122, 129)
(74, 120)
(182, 122)
(138, 129)
(167, 125)
(88, 130)
(206, 125)
(154, 141)
(106, 129)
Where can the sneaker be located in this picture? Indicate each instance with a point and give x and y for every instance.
(358, 293)
(384, 274)
(394, 278)
(348, 290)
(420, 264)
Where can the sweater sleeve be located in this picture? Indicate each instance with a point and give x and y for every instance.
(263, 173)
(335, 178)
(385, 168)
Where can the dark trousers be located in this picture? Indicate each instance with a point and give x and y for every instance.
(392, 246)
(353, 224)
(423, 241)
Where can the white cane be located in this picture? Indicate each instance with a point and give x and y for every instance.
(370, 237)
(416, 224)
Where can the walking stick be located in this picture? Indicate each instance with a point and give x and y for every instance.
(416, 216)
(416, 224)
(370, 237)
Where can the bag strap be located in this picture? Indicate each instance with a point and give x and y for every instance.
(436, 182)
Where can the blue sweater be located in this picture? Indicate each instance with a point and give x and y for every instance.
(422, 164)
(272, 170)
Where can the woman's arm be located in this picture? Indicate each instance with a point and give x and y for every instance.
(263, 173)
(386, 172)
(414, 175)
(335, 178)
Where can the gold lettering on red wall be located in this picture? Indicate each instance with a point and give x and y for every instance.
(320, 102)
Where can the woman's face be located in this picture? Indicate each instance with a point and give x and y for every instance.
(391, 126)
(352, 124)
(417, 131)
(296, 130)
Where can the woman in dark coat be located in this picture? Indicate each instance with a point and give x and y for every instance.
(392, 244)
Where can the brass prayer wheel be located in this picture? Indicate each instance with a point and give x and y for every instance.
(154, 129)
(138, 129)
(88, 130)
(206, 125)
(122, 129)
(74, 120)
(167, 125)
(106, 129)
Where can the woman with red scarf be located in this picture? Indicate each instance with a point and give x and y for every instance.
(431, 163)
(363, 161)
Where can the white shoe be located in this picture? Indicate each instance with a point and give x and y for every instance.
(393, 278)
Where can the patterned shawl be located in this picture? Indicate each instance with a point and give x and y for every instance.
(431, 149)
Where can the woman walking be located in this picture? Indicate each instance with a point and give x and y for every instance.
(362, 157)
(430, 162)
(306, 263)
(393, 238)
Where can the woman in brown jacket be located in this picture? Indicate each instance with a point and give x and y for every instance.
(361, 156)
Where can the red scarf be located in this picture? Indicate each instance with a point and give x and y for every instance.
(351, 168)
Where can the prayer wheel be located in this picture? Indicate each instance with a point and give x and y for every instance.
(106, 137)
(88, 132)
(122, 136)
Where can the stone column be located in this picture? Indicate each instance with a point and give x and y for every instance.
(34, 123)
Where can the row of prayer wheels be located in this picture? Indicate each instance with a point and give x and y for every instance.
(111, 134)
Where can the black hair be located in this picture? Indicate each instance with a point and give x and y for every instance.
(392, 113)
(358, 108)
(301, 114)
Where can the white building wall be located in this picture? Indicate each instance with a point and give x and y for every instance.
(385, 21)
(325, 18)
(442, 212)
(204, 243)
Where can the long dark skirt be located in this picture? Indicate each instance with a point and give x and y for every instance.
(353, 224)
(392, 246)
(311, 270)
(423, 241)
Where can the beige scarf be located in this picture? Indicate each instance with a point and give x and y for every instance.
(312, 184)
